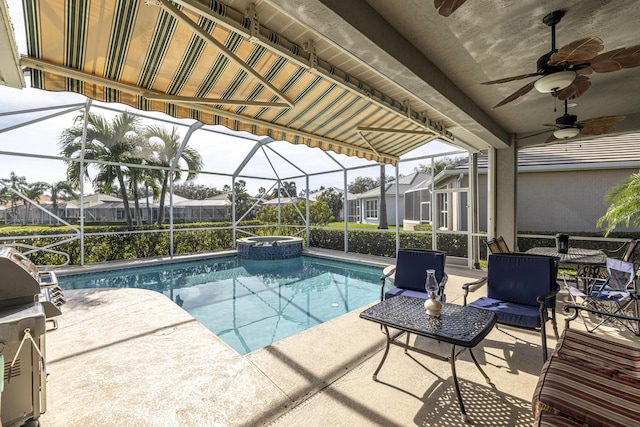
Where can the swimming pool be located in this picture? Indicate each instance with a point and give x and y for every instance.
(247, 303)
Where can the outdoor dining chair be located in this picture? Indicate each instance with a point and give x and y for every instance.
(498, 246)
(410, 273)
(521, 290)
(614, 294)
(630, 251)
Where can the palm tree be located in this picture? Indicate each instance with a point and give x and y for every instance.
(33, 192)
(111, 141)
(17, 184)
(624, 204)
(140, 179)
(60, 189)
(286, 189)
(165, 152)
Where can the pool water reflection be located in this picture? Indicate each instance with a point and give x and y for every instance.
(247, 303)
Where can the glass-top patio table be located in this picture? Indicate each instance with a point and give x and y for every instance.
(576, 256)
(587, 262)
(457, 325)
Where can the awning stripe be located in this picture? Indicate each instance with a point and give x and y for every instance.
(196, 46)
(256, 55)
(328, 122)
(310, 107)
(233, 43)
(357, 116)
(124, 17)
(212, 77)
(76, 18)
(158, 49)
(273, 69)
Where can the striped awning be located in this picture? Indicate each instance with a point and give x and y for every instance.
(206, 61)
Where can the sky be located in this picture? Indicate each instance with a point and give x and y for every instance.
(222, 150)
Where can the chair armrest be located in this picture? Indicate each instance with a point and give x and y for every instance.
(445, 277)
(389, 271)
(577, 308)
(543, 298)
(466, 286)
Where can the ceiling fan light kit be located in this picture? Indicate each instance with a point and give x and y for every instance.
(555, 81)
(566, 133)
(563, 72)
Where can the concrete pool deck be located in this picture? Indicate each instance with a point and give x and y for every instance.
(132, 357)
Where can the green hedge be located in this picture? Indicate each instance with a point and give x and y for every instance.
(373, 242)
(99, 248)
(110, 247)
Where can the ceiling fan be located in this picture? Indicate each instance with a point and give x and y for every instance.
(563, 71)
(447, 7)
(567, 126)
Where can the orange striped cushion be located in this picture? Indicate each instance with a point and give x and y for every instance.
(591, 380)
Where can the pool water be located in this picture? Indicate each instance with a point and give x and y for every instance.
(247, 303)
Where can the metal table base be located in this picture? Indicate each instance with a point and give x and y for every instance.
(462, 327)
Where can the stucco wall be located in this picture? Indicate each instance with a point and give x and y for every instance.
(391, 210)
(565, 201)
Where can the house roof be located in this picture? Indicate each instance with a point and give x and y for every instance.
(282, 201)
(314, 196)
(104, 201)
(93, 201)
(204, 203)
(404, 183)
(612, 152)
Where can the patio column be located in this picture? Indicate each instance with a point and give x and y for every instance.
(501, 194)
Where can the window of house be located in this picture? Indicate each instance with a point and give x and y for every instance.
(425, 213)
(371, 209)
(443, 204)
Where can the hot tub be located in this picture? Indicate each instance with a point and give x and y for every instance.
(269, 247)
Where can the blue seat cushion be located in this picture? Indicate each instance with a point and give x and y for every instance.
(510, 313)
(406, 292)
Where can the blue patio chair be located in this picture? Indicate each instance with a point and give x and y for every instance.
(521, 290)
(410, 272)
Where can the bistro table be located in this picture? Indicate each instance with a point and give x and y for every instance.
(587, 261)
(457, 325)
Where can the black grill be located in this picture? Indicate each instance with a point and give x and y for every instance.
(28, 299)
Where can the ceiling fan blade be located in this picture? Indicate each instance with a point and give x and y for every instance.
(510, 79)
(447, 7)
(579, 86)
(551, 138)
(578, 51)
(600, 121)
(599, 125)
(517, 94)
(597, 130)
(616, 59)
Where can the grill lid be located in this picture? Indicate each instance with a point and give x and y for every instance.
(19, 282)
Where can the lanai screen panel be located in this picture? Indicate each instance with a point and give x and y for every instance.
(188, 60)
